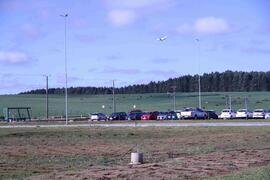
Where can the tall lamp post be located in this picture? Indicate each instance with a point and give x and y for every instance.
(113, 93)
(66, 97)
(174, 87)
(199, 73)
(47, 98)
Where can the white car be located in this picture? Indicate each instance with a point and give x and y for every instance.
(178, 113)
(259, 114)
(267, 115)
(227, 114)
(243, 113)
(193, 113)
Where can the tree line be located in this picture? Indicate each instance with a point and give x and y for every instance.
(210, 82)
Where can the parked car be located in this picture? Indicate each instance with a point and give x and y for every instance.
(178, 113)
(267, 114)
(135, 115)
(243, 113)
(98, 117)
(211, 114)
(258, 114)
(162, 116)
(150, 115)
(118, 116)
(227, 114)
(171, 115)
(193, 113)
(146, 116)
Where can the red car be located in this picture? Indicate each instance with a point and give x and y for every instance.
(150, 115)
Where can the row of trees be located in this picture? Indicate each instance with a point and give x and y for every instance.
(210, 82)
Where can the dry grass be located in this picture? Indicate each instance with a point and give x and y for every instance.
(57, 152)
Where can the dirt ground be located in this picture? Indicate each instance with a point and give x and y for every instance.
(186, 167)
(104, 153)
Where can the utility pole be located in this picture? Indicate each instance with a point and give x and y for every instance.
(230, 101)
(246, 102)
(114, 107)
(47, 99)
(174, 87)
(200, 99)
(227, 101)
(199, 76)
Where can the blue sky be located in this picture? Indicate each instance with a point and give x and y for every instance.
(116, 39)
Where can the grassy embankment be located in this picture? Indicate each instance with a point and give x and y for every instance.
(86, 104)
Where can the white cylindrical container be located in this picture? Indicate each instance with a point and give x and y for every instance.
(136, 158)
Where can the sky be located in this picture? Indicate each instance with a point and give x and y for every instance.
(117, 40)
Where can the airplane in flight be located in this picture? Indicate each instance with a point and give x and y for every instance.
(162, 38)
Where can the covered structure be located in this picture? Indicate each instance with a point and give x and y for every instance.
(17, 113)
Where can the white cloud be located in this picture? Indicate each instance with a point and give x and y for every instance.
(121, 17)
(14, 58)
(205, 25)
(125, 12)
(209, 25)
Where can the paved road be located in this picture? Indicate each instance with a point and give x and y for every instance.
(214, 124)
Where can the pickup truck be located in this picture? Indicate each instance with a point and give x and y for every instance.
(193, 113)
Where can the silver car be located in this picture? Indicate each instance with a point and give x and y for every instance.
(98, 117)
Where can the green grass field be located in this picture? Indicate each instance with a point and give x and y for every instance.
(86, 104)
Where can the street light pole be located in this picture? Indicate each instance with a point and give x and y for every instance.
(47, 99)
(114, 107)
(230, 101)
(174, 87)
(66, 96)
(246, 102)
(199, 74)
